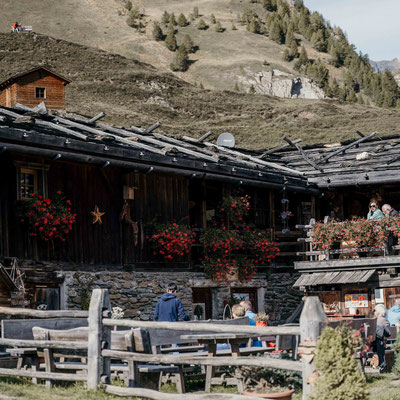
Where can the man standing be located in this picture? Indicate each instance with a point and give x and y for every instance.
(169, 307)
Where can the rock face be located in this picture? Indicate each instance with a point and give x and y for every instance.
(278, 83)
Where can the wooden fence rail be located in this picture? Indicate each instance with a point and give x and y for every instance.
(99, 352)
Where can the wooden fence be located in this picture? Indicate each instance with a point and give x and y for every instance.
(99, 351)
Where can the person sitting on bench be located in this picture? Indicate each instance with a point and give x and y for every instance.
(16, 27)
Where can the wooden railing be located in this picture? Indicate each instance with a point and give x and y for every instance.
(99, 351)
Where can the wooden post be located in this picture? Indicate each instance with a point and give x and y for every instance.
(99, 338)
(312, 320)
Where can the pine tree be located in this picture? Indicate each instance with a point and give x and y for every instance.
(236, 88)
(286, 56)
(181, 58)
(318, 41)
(202, 25)
(293, 50)
(303, 58)
(252, 89)
(253, 26)
(289, 35)
(187, 41)
(171, 27)
(338, 375)
(334, 88)
(390, 89)
(131, 21)
(201, 85)
(165, 18)
(269, 5)
(196, 12)
(276, 32)
(170, 40)
(182, 21)
(218, 27)
(213, 19)
(157, 32)
(172, 19)
(360, 99)
(233, 27)
(351, 95)
(128, 5)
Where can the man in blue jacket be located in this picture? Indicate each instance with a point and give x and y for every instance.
(169, 307)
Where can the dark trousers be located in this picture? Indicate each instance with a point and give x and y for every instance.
(380, 350)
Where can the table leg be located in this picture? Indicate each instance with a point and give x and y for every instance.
(212, 351)
(236, 353)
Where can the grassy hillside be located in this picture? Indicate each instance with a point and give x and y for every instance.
(134, 93)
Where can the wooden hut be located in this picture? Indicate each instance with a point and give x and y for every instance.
(33, 87)
(118, 181)
(350, 174)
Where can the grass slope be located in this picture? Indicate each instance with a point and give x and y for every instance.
(134, 93)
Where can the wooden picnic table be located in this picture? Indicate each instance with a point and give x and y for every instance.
(211, 340)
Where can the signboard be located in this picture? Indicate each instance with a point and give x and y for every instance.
(356, 300)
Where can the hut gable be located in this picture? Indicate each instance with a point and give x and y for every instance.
(34, 86)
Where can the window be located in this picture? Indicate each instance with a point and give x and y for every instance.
(31, 178)
(28, 182)
(40, 93)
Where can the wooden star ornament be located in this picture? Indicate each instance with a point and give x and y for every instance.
(97, 214)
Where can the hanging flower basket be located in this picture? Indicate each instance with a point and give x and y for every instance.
(171, 240)
(48, 219)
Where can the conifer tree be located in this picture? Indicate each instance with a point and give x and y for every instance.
(202, 25)
(201, 86)
(128, 5)
(252, 89)
(187, 41)
(334, 88)
(318, 41)
(338, 375)
(157, 32)
(276, 32)
(171, 27)
(182, 21)
(172, 19)
(233, 27)
(196, 12)
(286, 56)
(360, 99)
(135, 12)
(289, 35)
(351, 95)
(170, 40)
(218, 27)
(390, 89)
(165, 18)
(236, 88)
(303, 58)
(253, 26)
(180, 62)
(213, 19)
(293, 49)
(269, 5)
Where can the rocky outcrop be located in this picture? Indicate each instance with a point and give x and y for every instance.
(278, 83)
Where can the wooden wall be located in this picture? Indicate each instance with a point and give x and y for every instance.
(23, 91)
(112, 242)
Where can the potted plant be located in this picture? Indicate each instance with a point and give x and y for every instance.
(261, 319)
(268, 383)
(198, 311)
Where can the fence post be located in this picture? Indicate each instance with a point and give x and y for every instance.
(99, 338)
(312, 320)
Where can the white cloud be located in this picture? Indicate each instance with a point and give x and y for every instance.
(371, 25)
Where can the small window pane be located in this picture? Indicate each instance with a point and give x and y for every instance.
(28, 182)
(40, 93)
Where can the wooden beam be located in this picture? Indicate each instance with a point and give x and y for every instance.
(199, 327)
(152, 127)
(26, 312)
(280, 148)
(205, 136)
(43, 375)
(96, 118)
(304, 155)
(51, 344)
(192, 359)
(155, 395)
(343, 149)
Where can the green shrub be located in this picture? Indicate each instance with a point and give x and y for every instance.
(213, 19)
(196, 12)
(180, 62)
(202, 25)
(187, 41)
(339, 377)
(218, 27)
(172, 19)
(182, 21)
(170, 40)
(165, 18)
(157, 32)
(128, 5)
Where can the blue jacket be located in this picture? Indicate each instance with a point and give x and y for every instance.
(168, 308)
(251, 316)
(393, 315)
(377, 215)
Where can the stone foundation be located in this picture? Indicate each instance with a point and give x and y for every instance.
(138, 292)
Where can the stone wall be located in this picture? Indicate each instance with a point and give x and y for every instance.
(138, 292)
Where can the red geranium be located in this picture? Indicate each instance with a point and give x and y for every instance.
(48, 219)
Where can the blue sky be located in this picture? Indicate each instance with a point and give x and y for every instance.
(371, 25)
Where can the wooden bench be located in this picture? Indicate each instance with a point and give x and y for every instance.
(134, 374)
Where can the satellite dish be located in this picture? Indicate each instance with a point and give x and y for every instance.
(226, 139)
